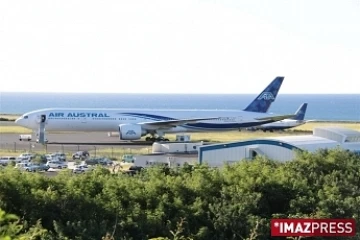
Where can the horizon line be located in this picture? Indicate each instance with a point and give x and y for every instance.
(176, 93)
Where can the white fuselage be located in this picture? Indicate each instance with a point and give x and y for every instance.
(108, 120)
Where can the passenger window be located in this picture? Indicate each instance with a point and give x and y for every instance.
(25, 117)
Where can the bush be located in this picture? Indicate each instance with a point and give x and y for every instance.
(197, 202)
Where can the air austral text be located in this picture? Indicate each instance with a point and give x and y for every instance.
(78, 114)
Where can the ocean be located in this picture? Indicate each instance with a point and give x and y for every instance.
(332, 107)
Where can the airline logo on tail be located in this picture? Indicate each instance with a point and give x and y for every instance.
(266, 96)
(301, 112)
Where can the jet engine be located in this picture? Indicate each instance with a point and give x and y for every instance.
(130, 132)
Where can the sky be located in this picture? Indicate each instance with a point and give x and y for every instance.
(184, 46)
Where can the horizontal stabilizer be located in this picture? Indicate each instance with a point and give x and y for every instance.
(276, 118)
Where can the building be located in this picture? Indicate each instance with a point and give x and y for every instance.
(171, 154)
(169, 159)
(280, 148)
(179, 147)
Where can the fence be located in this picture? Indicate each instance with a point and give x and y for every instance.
(17, 148)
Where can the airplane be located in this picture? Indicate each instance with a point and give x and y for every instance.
(132, 124)
(295, 121)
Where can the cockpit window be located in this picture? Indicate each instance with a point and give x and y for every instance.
(25, 117)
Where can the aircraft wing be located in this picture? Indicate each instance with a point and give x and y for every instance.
(275, 118)
(177, 122)
(173, 123)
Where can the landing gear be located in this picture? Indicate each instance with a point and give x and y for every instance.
(271, 130)
(156, 139)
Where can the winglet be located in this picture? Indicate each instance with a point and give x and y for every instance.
(263, 101)
(300, 113)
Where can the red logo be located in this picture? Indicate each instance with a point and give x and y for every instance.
(313, 227)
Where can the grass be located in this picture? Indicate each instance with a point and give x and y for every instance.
(11, 117)
(236, 135)
(14, 129)
(232, 136)
(221, 136)
(311, 125)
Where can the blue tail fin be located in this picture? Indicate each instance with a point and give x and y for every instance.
(263, 101)
(300, 113)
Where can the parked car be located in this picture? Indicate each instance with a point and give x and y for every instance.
(60, 156)
(5, 160)
(56, 164)
(98, 160)
(21, 166)
(128, 158)
(36, 167)
(82, 155)
(105, 161)
(31, 167)
(56, 156)
(81, 168)
(27, 156)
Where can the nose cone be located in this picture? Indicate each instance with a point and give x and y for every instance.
(18, 121)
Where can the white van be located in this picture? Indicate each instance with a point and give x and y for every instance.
(5, 160)
(27, 155)
(21, 166)
(25, 137)
(56, 164)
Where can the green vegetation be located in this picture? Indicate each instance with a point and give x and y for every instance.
(6, 119)
(9, 117)
(234, 202)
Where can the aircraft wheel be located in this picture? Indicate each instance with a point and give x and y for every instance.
(166, 140)
(148, 139)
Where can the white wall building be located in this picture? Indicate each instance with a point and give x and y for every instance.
(173, 154)
(159, 147)
(280, 148)
(172, 160)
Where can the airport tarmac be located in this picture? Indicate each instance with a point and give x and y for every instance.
(73, 141)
